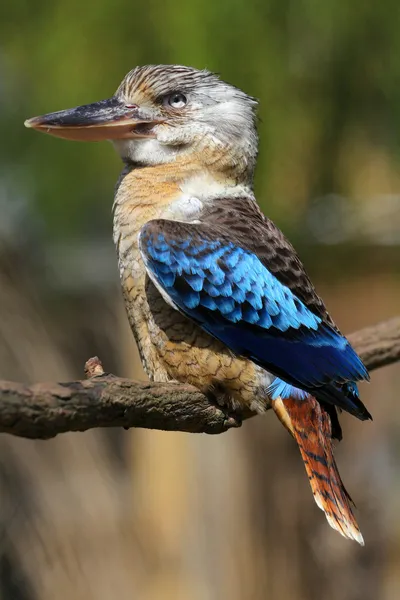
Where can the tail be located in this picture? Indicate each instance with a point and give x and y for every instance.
(310, 425)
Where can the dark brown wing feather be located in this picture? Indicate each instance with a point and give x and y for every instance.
(246, 225)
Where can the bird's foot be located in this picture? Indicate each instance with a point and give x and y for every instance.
(223, 402)
(232, 419)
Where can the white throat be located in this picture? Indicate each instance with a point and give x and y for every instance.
(146, 151)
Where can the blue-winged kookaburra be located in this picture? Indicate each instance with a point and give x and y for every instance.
(216, 296)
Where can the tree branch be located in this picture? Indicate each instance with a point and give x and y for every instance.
(42, 411)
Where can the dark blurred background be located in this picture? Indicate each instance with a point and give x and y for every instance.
(164, 516)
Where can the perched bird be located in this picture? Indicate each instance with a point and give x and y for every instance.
(215, 294)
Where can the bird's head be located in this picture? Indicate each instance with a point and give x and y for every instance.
(162, 112)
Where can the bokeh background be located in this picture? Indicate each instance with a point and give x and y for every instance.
(159, 516)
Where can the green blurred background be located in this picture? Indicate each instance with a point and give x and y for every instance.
(157, 516)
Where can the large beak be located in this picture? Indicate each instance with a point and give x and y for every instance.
(105, 120)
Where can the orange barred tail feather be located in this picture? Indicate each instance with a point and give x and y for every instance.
(310, 425)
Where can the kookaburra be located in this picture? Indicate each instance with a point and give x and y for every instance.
(215, 294)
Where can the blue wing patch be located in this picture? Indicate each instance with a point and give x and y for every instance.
(234, 297)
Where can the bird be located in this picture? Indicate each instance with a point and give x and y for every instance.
(215, 294)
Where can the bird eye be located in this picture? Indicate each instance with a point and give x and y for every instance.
(176, 100)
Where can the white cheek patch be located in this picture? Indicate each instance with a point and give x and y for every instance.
(231, 110)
